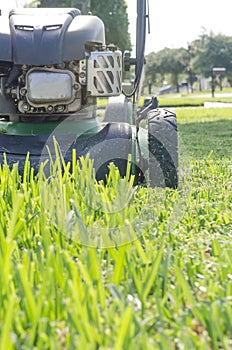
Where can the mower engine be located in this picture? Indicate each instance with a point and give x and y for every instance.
(54, 64)
(55, 61)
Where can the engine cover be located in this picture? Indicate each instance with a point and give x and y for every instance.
(41, 36)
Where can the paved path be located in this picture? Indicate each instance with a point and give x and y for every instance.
(206, 95)
(216, 94)
(217, 104)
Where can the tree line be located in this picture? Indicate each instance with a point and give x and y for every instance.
(197, 60)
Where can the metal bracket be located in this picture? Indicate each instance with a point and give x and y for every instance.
(142, 113)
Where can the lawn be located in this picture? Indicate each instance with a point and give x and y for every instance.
(169, 287)
(195, 99)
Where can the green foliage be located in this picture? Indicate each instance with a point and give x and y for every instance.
(114, 15)
(166, 61)
(153, 74)
(203, 53)
(212, 51)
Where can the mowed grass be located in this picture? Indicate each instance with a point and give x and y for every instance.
(171, 288)
(190, 100)
(195, 99)
(206, 130)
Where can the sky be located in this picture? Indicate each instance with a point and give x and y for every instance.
(174, 23)
(6, 5)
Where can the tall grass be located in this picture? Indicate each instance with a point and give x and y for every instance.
(168, 287)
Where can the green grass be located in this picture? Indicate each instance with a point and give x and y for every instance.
(188, 101)
(195, 99)
(205, 131)
(169, 289)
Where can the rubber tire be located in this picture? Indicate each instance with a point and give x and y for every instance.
(163, 148)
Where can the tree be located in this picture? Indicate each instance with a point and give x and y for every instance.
(151, 70)
(114, 15)
(166, 61)
(213, 51)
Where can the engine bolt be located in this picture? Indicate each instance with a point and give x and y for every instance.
(26, 107)
(23, 91)
(50, 108)
(60, 108)
(61, 65)
(76, 87)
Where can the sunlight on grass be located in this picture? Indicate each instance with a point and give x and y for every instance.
(169, 287)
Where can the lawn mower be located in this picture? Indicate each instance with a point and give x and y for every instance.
(54, 65)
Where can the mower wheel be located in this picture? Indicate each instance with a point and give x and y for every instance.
(163, 148)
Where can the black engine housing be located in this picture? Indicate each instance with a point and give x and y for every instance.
(47, 36)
